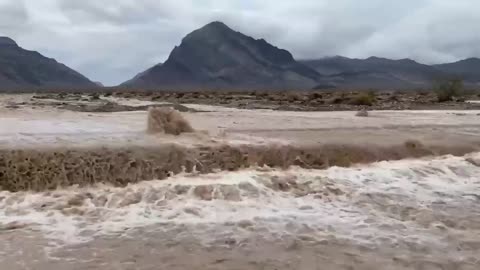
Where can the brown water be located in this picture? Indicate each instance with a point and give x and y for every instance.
(410, 214)
(46, 168)
(147, 250)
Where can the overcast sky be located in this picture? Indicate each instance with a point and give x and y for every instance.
(112, 40)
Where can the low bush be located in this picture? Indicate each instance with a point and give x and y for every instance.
(364, 99)
(447, 91)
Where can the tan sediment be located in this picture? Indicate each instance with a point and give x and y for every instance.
(48, 168)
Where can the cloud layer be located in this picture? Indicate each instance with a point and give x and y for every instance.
(112, 40)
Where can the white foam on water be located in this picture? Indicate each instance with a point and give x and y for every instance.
(364, 204)
(421, 180)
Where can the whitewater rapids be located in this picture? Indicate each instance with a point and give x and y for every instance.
(405, 212)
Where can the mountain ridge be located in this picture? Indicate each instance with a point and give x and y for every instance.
(378, 72)
(21, 68)
(467, 69)
(215, 56)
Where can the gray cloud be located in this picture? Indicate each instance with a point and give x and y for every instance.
(112, 40)
(13, 18)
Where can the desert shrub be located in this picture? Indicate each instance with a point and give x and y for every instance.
(421, 92)
(393, 98)
(469, 92)
(291, 97)
(364, 99)
(337, 100)
(315, 96)
(261, 94)
(447, 91)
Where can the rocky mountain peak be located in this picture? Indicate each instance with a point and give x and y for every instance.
(218, 56)
(6, 41)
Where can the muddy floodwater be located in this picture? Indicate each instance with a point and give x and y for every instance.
(411, 212)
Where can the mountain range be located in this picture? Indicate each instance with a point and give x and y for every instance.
(20, 68)
(375, 72)
(217, 57)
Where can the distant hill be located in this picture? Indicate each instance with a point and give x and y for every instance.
(375, 72)
(20, 68)
(216, 56)
(468, 70)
